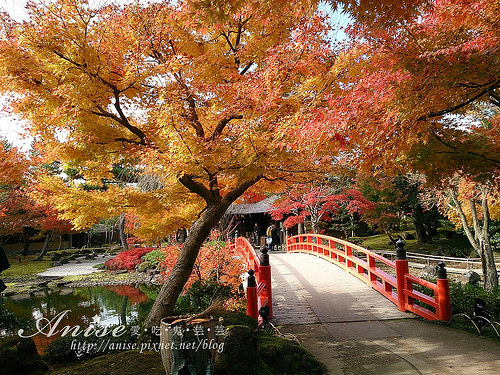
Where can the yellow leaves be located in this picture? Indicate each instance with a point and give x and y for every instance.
(141, 84)
(470, 196)
(157, 213)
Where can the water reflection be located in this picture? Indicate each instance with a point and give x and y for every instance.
(102, 305)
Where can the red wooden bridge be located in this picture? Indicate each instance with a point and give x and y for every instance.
(354, 310)
(391, 279)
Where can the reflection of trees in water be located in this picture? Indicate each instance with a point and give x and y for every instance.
(84, 303)
(52, 303)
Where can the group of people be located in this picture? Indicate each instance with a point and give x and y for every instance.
(272, 236)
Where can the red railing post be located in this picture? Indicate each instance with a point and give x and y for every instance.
(252, 308)
(443, 294)
(265, 276)
(401, 271)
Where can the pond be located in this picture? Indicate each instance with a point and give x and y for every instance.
(104, 305)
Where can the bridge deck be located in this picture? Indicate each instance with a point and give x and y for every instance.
(355, 330)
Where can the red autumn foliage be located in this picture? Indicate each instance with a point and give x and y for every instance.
(214, 261)
(127, 260)
(134, 295)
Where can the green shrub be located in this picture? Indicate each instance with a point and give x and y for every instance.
(462, 299)
(154, 257)
(286, 357)
(200, 296)
(99, 266)
(12, 323)
(146, 265)
(239, 318)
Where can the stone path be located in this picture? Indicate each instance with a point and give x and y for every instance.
(354, 330)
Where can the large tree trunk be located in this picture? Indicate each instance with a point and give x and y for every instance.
(174, 284)
(121, 226)
(26, 240)
(418, 221)
(300, 229)
(488, 265)
(479, 235)
(45, 245)
(209, 217)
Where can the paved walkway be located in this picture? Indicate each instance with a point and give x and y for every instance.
(85, 267)
(353, 329)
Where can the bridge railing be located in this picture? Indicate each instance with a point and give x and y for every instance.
(390, 278)
(259, 292)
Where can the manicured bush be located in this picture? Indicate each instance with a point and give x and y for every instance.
(127, 260)
(12, 323)
(155, 256)
(200, 295)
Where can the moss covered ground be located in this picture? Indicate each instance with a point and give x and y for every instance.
(124, 363)
(26, 268)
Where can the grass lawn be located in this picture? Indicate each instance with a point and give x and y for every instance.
(27, 267)
(456, 246)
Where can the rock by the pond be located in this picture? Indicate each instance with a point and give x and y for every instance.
(472, 278)
(19, 356)
(428, 272)
(240, 353)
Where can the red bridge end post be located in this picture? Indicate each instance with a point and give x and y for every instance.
(252, 308)
(401, 271)
(265, 275)
(443, 292)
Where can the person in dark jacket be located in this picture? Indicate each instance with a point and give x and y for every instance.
(4, 264)
(275, 238)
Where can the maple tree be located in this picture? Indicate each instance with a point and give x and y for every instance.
(205, 99)
(397, 199)
(19, 212)
(475, 207)
(211, 98)
(309, 203)
(407, 83)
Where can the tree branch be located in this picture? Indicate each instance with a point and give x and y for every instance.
(197, 188)
(461, 105)
(465, 225)
(222, 124)
(193, 119)
(236, 192)
(444, 143)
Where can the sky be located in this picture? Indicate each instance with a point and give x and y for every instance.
(12, 129)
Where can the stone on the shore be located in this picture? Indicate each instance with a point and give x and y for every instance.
(19, 356)
(428, 272)
(472, 278)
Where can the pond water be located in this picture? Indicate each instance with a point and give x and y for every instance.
(102, 305)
